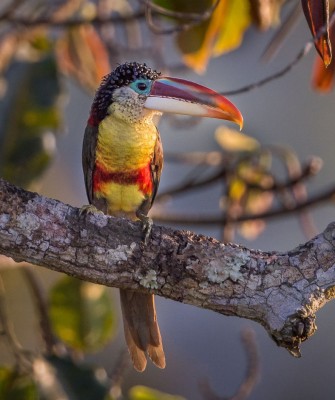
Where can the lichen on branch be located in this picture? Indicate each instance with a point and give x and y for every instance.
(281, 291)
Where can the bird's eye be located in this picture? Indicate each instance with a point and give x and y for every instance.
(141, 86)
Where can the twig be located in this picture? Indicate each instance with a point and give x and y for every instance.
(278, 39)
(21, 358)
(302, 53)
(193, 183)
(252, 373)
(7, 12)
(297, 193)
(310, 169)
(194, 19)
(253, 368)
(212, 158)
(98, 20)
(118, 374)
(219, 220)
(41, 306)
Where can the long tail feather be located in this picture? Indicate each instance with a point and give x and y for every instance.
(141, 329)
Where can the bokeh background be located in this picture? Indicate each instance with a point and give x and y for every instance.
(200, 344)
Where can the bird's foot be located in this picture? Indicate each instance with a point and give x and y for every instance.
(89, 209)
(146, 226)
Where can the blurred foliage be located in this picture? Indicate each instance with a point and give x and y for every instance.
(30, 115)
(83, 39)
(89, 62)
(87, 39)
(234, 141)
(257, 179)
(221, 33)
(266, 13)
(16, 386)
(247, 182)
(79, 382)
(82, 314)
(145, 393)
(256, 182)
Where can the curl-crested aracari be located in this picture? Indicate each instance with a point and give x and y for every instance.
(122, 162)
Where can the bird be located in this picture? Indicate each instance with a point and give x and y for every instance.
(122, 159)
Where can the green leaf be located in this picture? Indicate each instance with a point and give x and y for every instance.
(79, 382)
(146, 393)
(29, 115)
(82, 314)
(16, 386)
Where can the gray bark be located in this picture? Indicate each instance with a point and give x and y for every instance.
(281, 291)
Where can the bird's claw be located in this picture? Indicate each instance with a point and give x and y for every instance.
(88, 209)
(146, 226)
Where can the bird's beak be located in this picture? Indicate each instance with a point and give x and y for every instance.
(178, 96)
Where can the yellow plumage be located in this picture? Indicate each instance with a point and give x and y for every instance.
(124, 147)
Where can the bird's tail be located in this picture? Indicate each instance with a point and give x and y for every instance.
(141, 329)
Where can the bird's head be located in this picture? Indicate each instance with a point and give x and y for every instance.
(133, 91)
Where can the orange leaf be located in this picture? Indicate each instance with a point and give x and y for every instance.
(8, 47)
(265, 13)
(250, 230)
(317, 16)
(322, 77)
(82, 54)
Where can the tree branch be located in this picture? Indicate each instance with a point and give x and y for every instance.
(28, 22)
(282, 291)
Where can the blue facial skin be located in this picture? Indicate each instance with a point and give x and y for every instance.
(141, 86)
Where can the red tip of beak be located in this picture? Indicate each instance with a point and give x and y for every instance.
(180, 96)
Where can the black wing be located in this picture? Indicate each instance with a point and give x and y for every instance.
(156, 167)
(88, 158)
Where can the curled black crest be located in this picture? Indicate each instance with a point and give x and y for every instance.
(122, 75)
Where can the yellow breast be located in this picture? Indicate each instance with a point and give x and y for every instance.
(123, 146)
